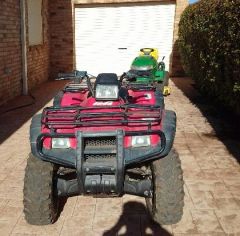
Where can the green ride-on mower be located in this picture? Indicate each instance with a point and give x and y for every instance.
(145, 69)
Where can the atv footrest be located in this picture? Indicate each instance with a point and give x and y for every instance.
(100, 162)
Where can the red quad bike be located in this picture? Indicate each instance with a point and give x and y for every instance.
(107, 138)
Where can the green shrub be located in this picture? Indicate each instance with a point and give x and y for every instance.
(209, 45)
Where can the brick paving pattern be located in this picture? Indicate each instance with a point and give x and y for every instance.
(211, 175)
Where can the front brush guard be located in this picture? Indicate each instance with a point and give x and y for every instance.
(108, 180)
(100, 177)
(67, 157)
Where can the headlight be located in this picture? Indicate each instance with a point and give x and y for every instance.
(106, 91)
(141, 141)
(61, 143)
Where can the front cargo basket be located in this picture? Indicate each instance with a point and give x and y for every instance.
(73, 116)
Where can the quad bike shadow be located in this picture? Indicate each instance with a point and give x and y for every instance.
(135, 221)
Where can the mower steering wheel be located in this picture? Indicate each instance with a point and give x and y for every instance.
(127, 76)
(146, 51)
(122, 77)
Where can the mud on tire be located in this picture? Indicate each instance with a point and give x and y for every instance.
(166, 205)
(40, 203)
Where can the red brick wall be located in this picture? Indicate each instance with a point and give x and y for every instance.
(176, 66)
(38, 56)
(10, 50)
(61, 36)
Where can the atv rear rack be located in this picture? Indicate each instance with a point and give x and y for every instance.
(140, 86)
(130, 114)
(75, 87)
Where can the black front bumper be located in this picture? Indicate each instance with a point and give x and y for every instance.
(68, 157)
(101, 175)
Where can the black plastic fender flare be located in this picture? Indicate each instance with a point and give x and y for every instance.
(35, 130)
(169, 129)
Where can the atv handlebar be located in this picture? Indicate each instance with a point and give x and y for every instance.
(71, 75)
(90, 85)
(77, 77)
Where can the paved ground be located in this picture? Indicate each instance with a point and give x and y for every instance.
(208, 153)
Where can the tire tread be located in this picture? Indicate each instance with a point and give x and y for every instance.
(39, 205)
(169, 193)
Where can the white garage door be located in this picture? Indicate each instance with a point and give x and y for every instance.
(108, 38)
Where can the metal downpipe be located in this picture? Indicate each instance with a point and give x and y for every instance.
(24, 47)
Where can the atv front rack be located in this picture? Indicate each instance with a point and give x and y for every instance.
(75, 116)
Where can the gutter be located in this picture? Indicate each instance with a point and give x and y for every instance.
(24, 47)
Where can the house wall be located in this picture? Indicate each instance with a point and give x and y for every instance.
(56, 53)
(62, 56)
(61, 36)
(10, 50)
(38, 56)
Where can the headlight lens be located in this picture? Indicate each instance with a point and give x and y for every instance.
(106, 91)
(61, 143)
(141, 141)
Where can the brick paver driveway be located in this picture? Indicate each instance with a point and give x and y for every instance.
(211, 174)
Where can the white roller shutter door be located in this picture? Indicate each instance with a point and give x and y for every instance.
(108, 38)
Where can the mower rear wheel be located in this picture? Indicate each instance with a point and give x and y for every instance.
(40, 202)
(166, 204)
